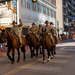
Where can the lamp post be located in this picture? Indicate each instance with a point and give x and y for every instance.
(58, 27)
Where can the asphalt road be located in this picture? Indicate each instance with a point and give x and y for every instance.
(62, 64)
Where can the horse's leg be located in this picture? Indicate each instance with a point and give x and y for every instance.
(49, 55)
(13, 51)
(23, 50)
(43, 50)
(18, 55)
(36, 51)
(55, 49)
(8, 53)
(31, 52)
(52, 52)
(40, 49)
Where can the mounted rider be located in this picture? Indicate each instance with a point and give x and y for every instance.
(40, 30)
(53, 31)
(17, 30)
(34, 30)
(47, 27)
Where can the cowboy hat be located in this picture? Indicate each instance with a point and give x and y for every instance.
(46, 22)
(51, 23)
(13, 22)
(33, 24)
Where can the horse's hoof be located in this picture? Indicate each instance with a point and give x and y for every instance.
(23, 59)
(17, 60)
(34, 54)
(31, 56)
(48, 60)
(54, 53)
(52, 57)
(43, 61)
(12, 62)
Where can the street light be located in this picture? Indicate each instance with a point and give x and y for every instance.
(58, 27)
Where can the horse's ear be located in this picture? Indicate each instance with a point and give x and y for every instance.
(3, 30)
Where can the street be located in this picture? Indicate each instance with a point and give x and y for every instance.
(63, 63)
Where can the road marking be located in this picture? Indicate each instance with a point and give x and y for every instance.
(20, 68)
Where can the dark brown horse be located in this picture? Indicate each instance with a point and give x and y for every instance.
(13, 43)
(46, 44)
(31, 40)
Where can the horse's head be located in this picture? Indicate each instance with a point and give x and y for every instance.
(43, 36)
(3, 35)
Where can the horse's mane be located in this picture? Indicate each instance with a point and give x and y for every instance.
(10, 35)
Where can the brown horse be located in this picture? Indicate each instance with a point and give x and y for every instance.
(46, 44)
(31, 40)
(13, 43)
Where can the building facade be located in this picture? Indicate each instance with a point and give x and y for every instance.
(68, 13)
(38, 12)
(65, 14)
(30, 12)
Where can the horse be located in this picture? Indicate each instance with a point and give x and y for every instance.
(46, 44)
(32, 42)
(13, 43)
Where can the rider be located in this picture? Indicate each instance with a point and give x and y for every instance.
(47, 27)
(53, 31)
(40, 30)
(17, 30)
(34, 30)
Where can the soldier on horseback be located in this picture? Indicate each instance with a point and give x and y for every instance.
(53, 31)
(40, 30)
(47, 27)
(34, 30)
(17, 30)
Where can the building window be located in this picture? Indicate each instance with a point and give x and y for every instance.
(39, 9)
(51, 13)
(27, 4)
(54, 14)
(47, 11)
(34, 6)
(53, 2)
(44, 9)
